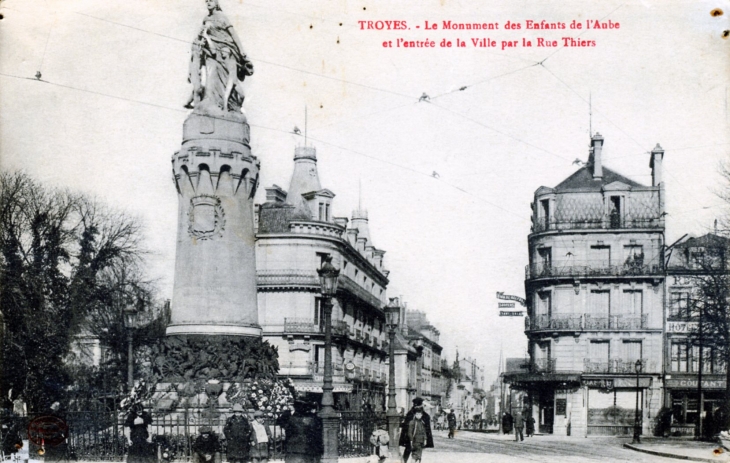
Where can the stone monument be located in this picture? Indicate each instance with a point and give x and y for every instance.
(213, 354)
(216, 178)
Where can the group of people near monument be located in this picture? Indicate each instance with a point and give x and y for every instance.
(248, 438)
(521, 424)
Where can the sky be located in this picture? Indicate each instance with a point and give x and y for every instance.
(447, 179)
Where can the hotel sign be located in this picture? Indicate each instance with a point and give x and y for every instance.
(503, 313)
(506, 305)
(507, 297)
(681, 327)
(692, 383)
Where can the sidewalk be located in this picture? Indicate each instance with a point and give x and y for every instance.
(683, 449)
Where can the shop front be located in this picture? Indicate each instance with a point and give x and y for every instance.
(548, 398)
(686, 400)
(612, 404)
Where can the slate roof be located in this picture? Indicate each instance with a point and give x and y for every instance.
(583, 179)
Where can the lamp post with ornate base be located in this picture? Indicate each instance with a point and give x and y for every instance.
(392, 315)
(637, 416)
(130, 322)
(328, 275)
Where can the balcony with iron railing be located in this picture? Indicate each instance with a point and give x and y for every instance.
(586, 322)
(618, 366)
(607, 222)
(591, 268)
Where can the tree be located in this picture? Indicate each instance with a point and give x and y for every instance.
(59, 252)
(707, 267)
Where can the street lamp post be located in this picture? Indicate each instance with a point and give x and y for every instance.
(392, 317)
(637, 417)
(328, 276)
(130, 322)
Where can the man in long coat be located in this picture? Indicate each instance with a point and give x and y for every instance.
(238, 436)
(404, 440)
(303, 431)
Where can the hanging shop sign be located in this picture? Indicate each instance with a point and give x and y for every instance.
(507, 297)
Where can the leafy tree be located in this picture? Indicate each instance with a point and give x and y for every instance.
(60, 257)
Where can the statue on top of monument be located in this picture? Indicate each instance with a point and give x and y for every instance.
(217, 52)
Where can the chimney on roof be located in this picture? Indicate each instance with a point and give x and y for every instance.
(657, 155)
(594, 160)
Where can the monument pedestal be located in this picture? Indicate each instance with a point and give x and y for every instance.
(215, 266)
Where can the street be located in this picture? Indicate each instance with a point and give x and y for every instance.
(480, 447)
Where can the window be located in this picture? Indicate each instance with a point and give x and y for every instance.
(679, 305)
(632, 302)
(599, 351)
(544, 260)
(322, 256)
(600, 303)
(631, 351)
(614, 213)
(679, 356)
(696, 257)
(318, 314)
(327, 212)
(545, 209)
(634, 257)
(321, 212)
(543, 303)
(599, 257)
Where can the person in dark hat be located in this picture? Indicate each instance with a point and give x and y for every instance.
(238, 436)
(303, 431)
(137, 420)
(206, 447)
(405, 440)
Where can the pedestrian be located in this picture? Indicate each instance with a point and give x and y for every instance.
(238, 436)
(529, 425)
(507, 423)
(519, 426)
(404, 440)
(380, 440)
(260, 438)
(451, 417)
(303, 434)
(206, 447)
(140, 451)
(418, 435)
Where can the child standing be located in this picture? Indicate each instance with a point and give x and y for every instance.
(417, 435)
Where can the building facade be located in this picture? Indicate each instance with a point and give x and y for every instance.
(425, 338)
(594, 288)
(688, 264)
(296, 231)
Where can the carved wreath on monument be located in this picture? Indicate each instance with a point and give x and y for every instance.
(206, 217)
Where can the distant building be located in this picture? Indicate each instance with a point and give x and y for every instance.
(689, 261)
(296, 230)
(594, 288)
(425, 337)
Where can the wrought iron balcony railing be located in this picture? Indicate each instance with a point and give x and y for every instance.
(586, 322)
(617, 366)
(575, 268)
(607, 222)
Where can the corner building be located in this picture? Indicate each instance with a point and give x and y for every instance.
(296, 231)
(594, 288)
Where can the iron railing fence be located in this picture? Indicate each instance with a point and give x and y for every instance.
(100, 435)
(618, 366)
(591, 268)
(605, 223)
